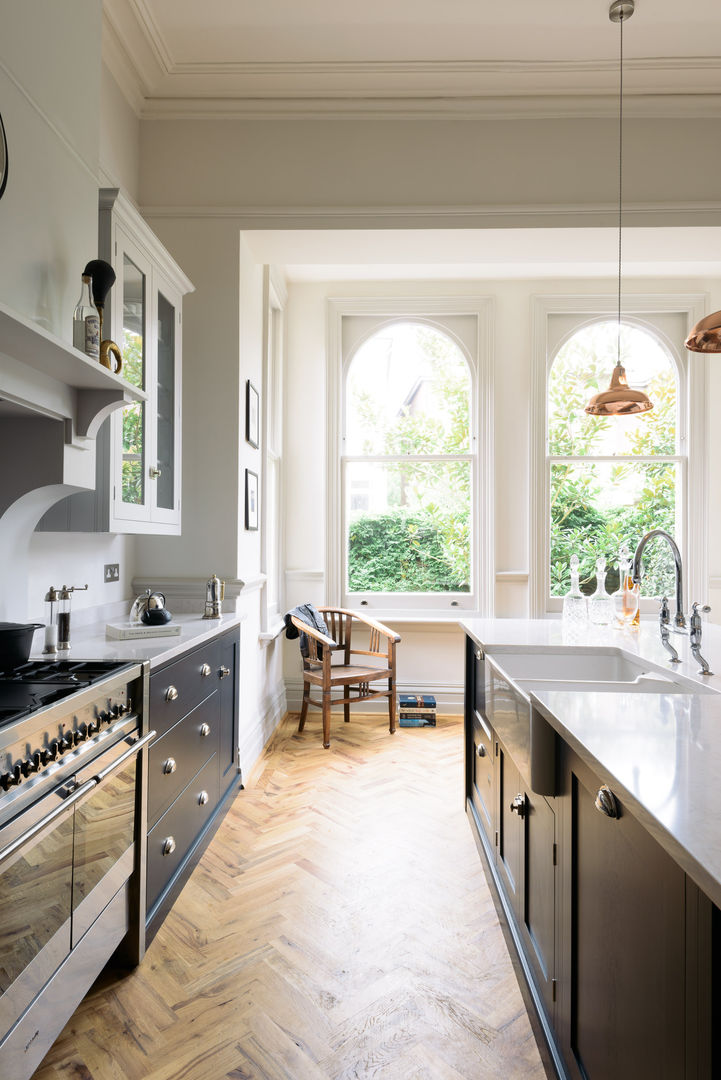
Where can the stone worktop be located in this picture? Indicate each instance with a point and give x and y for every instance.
(660, 753)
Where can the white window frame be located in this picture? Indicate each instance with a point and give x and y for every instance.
(692, 371)
(432, 311)
(271, 434)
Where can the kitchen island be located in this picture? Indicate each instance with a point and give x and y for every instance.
(596, 814)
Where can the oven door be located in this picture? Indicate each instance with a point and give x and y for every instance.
(36, 875)
(104, 832)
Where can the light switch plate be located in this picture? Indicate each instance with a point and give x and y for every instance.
(111, 572)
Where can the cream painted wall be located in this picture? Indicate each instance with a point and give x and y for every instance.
(442, 164)
(119, 138)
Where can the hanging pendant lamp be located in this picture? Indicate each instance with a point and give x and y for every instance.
(620, 399)
(706, 335)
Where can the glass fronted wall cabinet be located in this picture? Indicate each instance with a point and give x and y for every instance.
(139, 448)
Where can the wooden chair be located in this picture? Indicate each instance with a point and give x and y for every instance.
(321, 671)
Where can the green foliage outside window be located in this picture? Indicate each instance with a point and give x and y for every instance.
(595, 508)
(133, 419)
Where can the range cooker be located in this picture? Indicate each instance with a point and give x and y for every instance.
(71, 828)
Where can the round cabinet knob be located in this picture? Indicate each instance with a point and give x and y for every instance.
(171, 694)
(223, 672)
(481, 750)
(168, 845)
(203, 798)
(204, 730)
(518, 806)
(170, 765)
(154, 473)
(607, 802)
(205, 670)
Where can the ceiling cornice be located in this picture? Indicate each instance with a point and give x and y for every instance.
(158, 86)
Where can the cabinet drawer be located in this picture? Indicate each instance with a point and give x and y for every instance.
(179, 687)
(178, 754)
(482, 775)
(172, 837)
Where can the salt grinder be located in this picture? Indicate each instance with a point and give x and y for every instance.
(63, 596)
(51, 627)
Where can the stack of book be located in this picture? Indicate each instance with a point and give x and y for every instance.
(417, 710)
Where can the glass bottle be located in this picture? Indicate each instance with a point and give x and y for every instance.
(625, 599)
(575, 605)
(600, 605)
(86, 322)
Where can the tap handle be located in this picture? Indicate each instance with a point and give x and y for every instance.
(695, 621)
(664, 614)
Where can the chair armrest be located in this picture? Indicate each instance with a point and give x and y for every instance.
(311, 631)
(371, 623)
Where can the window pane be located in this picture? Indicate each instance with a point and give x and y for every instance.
(583, 367)
(597, 507)
(408, 527)
(408, 391)
(133, 416)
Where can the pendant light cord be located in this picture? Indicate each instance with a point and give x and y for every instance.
(620, 183)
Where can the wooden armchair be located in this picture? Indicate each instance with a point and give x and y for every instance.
(353, 678)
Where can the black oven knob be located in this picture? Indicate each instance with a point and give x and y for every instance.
(6, 780)
(17, 775)
(123, 709)
(104, 717)
(53, 750)
(44, 756)
(26, 767)
(93, 727)
(67, 741)
(115, 710)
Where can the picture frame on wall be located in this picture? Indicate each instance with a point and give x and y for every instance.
(252, 415)
(251, 500)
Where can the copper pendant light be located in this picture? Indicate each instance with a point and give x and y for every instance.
(619, 399)
(706, 335)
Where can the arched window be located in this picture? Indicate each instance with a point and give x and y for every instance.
(610, 479)
(408, 468)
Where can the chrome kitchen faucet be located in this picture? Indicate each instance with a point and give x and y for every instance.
(680, 626)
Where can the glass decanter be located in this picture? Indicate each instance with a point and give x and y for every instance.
(575, 605)
(600, 605)
(625, 599)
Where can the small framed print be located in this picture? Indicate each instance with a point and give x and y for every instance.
(251, 500)
(252, 415)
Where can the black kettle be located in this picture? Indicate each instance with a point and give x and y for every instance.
(150, 609)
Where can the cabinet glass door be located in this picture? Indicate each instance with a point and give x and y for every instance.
(134, 349)
(165, 389)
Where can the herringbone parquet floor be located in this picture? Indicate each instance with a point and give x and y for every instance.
(338, 927)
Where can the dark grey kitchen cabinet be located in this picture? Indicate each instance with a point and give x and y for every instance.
(193, 772)
(616, 944)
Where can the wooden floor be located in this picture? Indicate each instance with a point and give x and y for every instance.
(339, 926)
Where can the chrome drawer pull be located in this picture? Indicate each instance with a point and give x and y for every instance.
(607, 802)
(518, 806)
(205, 670)
(168, 845)
(223, 672)
(203, 798)
(171, 694)
(204, 730)
(481, 750)
(170, 765)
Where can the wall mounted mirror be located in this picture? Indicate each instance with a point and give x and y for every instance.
(3, 158)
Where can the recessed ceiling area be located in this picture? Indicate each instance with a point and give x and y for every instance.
(308, 255)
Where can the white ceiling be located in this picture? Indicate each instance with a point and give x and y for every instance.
(454, 254)
(265, 54)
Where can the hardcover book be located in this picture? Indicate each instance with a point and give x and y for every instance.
(127, 631)
(416, 701)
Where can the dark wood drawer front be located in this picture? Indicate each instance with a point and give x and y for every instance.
(179, 687)
(173, 836)
(176, 756)
(482, 790)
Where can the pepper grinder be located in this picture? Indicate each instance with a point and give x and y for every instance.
(64, 596)
(214, 595)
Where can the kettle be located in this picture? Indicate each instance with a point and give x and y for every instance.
(150, 609)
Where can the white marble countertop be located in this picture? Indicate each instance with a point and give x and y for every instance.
(660, 753)
(90, 643)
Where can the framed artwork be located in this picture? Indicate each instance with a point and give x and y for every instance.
(251, 499)
(252, 414)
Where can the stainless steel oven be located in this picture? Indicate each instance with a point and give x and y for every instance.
(70, 816)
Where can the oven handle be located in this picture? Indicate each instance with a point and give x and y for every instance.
(134, 749)
(47, 820)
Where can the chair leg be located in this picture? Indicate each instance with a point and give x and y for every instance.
(346, 708)
(391, 708)
(326, 719)
(304, 706)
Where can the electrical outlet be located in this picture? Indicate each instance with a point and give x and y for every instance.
(111, 572)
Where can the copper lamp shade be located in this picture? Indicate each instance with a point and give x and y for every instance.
(619, 399)
(706, 335)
